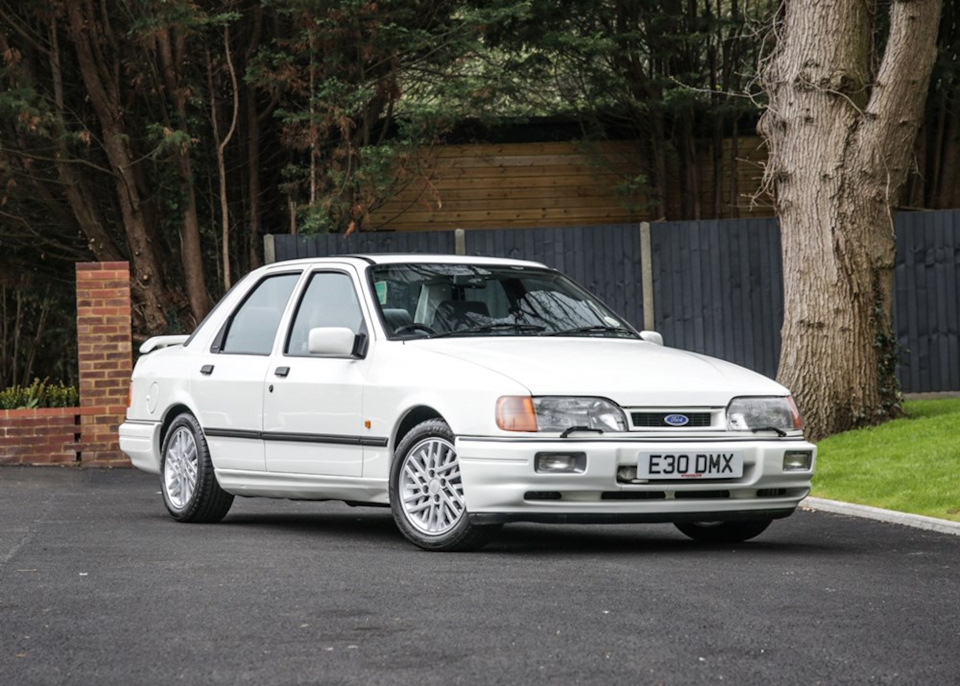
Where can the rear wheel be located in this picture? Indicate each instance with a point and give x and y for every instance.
(724, 532)
(189, 486)
(426, 492)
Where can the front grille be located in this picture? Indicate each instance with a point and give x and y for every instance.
(657, 420)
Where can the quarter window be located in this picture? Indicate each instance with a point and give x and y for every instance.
(254, 324)
(330, 300)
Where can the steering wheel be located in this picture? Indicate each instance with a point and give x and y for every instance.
(414, 327)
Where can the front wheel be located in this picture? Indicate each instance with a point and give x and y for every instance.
(724, 532)
(426, 492)
(189, 486)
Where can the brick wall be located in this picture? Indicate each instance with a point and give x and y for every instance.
(40, 437)
(85, 435)
(104, 355)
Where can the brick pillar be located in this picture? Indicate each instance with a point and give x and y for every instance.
(104, 354)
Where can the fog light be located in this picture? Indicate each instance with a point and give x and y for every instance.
(797, 460)
(561, 463)
(626, 473)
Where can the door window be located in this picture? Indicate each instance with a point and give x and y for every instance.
(253, 326)
(329, 300)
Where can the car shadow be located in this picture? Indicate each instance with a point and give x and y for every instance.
(376, 527)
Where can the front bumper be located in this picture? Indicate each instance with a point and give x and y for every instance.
(501, 484)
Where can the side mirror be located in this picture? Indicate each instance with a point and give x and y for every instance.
(652, 337)
(337, 341)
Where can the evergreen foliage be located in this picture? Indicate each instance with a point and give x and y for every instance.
(39, 394)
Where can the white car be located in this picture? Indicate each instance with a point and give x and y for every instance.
(463, 393)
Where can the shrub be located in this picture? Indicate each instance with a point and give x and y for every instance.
(39, 394)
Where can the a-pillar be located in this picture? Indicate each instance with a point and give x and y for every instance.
(104, 355)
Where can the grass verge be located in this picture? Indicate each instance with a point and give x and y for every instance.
(908, 465)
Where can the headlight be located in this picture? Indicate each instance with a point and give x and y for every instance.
(558, 413)
(754, 414)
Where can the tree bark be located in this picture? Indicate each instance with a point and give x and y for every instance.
(171, 50)
(100, 242)
(840, 141)
(253, 144)
(103, 94)
(221, 146)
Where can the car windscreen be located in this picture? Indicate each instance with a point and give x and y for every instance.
(429, 300)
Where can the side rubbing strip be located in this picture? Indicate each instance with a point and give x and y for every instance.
(233, 433)
(328, 439)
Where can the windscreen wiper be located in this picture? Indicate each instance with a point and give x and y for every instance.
(488, 328)
(594, 328)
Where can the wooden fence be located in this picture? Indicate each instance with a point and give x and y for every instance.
(717, 286)
(553, 184)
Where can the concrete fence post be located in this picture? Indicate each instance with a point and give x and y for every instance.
(646, 273)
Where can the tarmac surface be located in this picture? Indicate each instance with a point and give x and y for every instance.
(99, 586)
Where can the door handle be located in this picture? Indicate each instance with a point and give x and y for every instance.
(281, 371)
(206, 369)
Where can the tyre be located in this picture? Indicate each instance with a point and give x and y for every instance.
(724, 532)
(426, 492)
(189, 486)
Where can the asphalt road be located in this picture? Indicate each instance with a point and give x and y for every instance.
(99, 586)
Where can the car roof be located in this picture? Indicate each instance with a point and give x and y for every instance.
(362, 260)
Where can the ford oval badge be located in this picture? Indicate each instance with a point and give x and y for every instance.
(677, 419)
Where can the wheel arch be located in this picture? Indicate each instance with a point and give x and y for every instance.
(414, 416)
(172, 413)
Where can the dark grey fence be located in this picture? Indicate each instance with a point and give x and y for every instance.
(927, 281)
(717, 285)
(718, 289)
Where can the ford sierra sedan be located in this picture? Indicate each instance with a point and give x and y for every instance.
(463, 393)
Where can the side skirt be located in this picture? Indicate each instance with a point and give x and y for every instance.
(302, 486)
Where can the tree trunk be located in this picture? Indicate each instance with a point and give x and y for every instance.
(840, 141)
(253, 145)
(689, 180)
(221, 146)
(662, 208)
(948, 165)
(78, 196)
(148, 277)
(172, 57)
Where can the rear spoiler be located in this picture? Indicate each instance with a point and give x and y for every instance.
(158, 342)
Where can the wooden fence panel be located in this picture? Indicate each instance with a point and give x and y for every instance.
(570, 183)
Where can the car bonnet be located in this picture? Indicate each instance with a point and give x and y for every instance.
(632, 373)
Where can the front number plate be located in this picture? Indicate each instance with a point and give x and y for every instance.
(683, 465)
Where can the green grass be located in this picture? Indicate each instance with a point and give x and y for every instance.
(909, 465)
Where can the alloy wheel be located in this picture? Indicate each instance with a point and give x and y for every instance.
(180, 468)
(431, 491)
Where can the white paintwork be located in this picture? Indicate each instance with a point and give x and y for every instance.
(158, 342)
(652, 337)
(318, 396)
(458, 379)
(331, 340)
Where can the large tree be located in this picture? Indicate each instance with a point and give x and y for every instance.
(846, 86)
